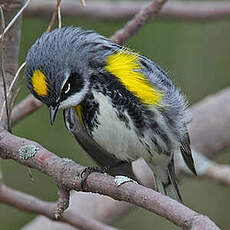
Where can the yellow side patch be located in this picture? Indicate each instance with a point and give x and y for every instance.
(39, 83)
(125, 66)
(79, 113)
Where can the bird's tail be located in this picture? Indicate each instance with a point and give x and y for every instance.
(166, 183)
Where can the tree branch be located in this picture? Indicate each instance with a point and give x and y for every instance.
(66, 174)
(219, 173)
(138, 21)
(11, 41)
(31, 204)
(24, 108)
(118, 10)
(101, 208)
(209, 129)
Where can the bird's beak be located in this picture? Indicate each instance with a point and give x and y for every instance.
(53, 112)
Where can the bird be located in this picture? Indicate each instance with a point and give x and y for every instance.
(118, 104)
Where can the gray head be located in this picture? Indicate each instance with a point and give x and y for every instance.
(57, 67)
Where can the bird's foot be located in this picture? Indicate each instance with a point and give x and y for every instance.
(119, 180)
(86, 172)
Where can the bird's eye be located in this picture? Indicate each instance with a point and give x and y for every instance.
(73, 85)
(66, 89)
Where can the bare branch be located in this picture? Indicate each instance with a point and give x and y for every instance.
(10, 43)
(209, 128)
(31, 204)
(24, 108)
(101, 208)
(59, 17)
(139, 20)
(219, 173)
(67, 174)
(14, 93)
(11, 23)
(118, 10)
(205, 168)
(3, 72)
(16, 76)
(55, 13)
(10, 92)
(63, 202)
(196, 10)
(83, 3)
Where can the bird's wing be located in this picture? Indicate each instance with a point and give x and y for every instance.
(96, 152)
(173, 97)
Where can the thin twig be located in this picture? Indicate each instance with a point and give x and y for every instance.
(55, 13)
(12, 87)
(16, 76)
(3, 25)
(120, 10)
(83, 3)
(27, 106)
(14, 18)
(3, 32)
(138, 21)
(16, 93)
(59, 17)
(63, 202)
(3, 70)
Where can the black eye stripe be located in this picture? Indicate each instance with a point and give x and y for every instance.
(75, 82)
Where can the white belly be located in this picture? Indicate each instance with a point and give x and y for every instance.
(113, 135)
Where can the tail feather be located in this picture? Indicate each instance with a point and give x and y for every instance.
(187, 154)
(167, 184)
(172, 179)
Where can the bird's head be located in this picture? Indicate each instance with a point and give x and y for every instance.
(57, 72)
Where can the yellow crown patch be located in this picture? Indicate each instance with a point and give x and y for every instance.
(125, 66)
(39, 83)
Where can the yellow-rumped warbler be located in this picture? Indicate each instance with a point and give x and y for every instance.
(119, 105)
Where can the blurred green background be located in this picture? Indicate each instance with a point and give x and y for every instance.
(195, 55)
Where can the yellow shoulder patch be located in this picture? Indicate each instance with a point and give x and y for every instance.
(39, 83)
(125, 66)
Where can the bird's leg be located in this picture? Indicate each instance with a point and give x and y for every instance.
(86, 172)
(121, 170)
